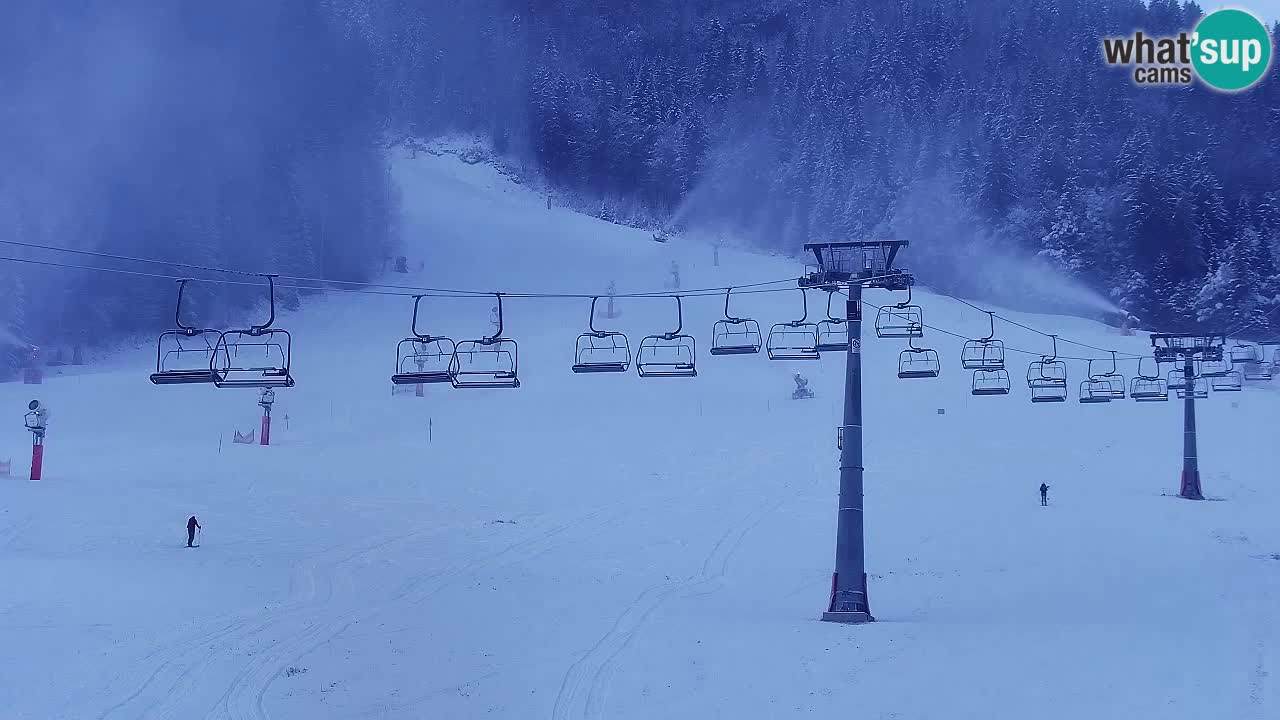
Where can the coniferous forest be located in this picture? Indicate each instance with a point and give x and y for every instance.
(254, 134)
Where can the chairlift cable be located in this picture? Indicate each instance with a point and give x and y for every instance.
(444, 292)
(755, 288)
(1025, 327)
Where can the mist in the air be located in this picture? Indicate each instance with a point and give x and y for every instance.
(238, 134)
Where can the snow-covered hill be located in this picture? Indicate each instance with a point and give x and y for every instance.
(615, 547)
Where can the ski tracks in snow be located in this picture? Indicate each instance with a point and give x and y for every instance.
(584, 691)
(283, 633)
(182, 662)
(245, 696)
(1263, 700)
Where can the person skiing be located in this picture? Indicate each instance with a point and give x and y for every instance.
(192, 525)
(1044, 495)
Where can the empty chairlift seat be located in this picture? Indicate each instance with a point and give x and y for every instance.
(795, 340)
(1232, 381)
(1199, 389)
(917, 362)
(1148, 388)
(259, 357)
(734, 335)
(490, 362)
(668, 355)
(1258, 371)
(903, 320)
(1095, 391)
(601, 351)
(1047, 382)
(253, 358)
(984, 354)
(184, 356)
(1242, 353)
(1215, 368)
(422, 359)
(1047, 377)
(991, 382)
(1109, 385)
(833, 333)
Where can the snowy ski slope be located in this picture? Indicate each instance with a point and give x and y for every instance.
(616, 547)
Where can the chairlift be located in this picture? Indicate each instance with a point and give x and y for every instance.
(1149, 388)
(795, 340)
(1215, 368)
(833, 333)
(184, 356)
(1243, 353)
(671, 354)
(1047, 377)
(490, 362)
(1199, 389)
(733, 335)
(991, 382)
(1095, 391)
(986, 353)
(1111, 382)
(917, 362)
(601, 351)
(1258, 370)
(423, 359)
(258, 357)
(1233, 381)
(903, 320)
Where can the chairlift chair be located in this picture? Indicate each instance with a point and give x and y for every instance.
(601, 351)
(490, 362)
(1233, 381)
(1047, 377)
(986, 353)
(422, 359)
(1215, 368)
(1149, 388)
(903, 320)
(671, 354)
(184, 355)
(734, 335)
(795, 340)
(1095, 391)
(1199, 389)
(1111, 382)
(258, 357)
(833, 333)
(1258, 370)
(1242, 353)
(991, 382)
(1177, 380)
(917, 362)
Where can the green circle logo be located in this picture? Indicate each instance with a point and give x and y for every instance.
(1232, 50)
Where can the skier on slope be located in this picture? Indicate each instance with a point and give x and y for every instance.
(1044, 494)
(192, 524)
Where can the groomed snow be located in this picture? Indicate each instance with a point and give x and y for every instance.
(625, 548)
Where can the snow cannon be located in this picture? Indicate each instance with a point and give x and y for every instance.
(36, 421)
